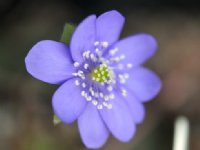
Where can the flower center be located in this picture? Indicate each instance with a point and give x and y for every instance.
(101, 74)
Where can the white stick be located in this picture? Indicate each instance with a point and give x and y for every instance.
(181, 134)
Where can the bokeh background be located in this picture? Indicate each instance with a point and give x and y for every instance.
(25, 103)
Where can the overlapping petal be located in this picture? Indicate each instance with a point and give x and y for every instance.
(67, 102)
(144, 83)
(109, 26)
(92, 129)
(83, 38)
(50, 62)
(136, 49)
(119, 120)
(135, 106)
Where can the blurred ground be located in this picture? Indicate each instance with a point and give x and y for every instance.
(25, 103)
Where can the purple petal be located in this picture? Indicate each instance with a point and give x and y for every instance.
(83, 38)
(136, 49)
(144, 83)
(109, 26)
(67, 102)
(92, 129)
(50, 62)
(136, 107)
(119, 120)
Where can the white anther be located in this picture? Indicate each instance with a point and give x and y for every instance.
(95, 102)
(123, 92)
(106, 97)
(91, 89)
(129, 65)
(109, 88)
(100, 106)
(80, 72)
(97, 79)
(83, 77)
(95, 71)
(96, 43)
(105, 104)
(87, 54)
(86, 66)
(109, 106)
(93, 78)
(113, 51)
(104, 44)
(99, 75)
(92, 93)
(76, 64)
(115, 59)
(96, 94)
(84, 85)
(126, 75)
(96, 50)
(75, 74)
(112, 96)
(101, 94)
(122, 80)
(88, 98)
(92, 56)
(83, 93)
(77, 82)
(122, 56)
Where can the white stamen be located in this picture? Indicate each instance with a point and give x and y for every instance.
(113, 51)
(100, 106)
(75, 74)
(126, 75)
(109, 88)
(77, 82)
(89, 98)
(92, 56)
(122, 56)
(96, 94)
(76, 64)
(101, 94)
(87, 55)
(104, 44)
(83, 93)
(109, 106)
(84, 85)
(129, 65)
(95, 102)
(124, 93)
(106, 97)
(105, 104)
(96, 43)
(86, 66)
(112, 96)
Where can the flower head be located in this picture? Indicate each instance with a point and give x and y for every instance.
(103, 84)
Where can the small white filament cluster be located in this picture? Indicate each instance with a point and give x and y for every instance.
(97, 78)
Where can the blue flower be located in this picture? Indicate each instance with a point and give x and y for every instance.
(102, 82)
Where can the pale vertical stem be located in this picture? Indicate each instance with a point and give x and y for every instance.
(181, 134)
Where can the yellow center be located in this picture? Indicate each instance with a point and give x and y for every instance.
(101, 74)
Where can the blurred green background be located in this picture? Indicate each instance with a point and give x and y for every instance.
(25, 103)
